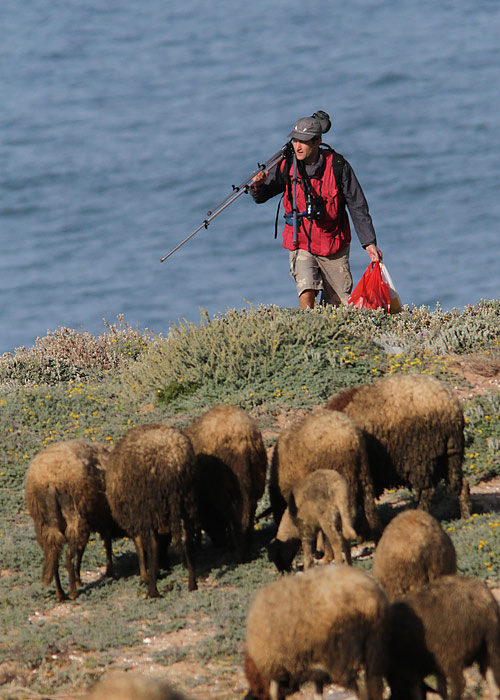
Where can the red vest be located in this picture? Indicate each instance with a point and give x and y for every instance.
(328, 235)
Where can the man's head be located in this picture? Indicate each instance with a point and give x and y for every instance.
(306, 139)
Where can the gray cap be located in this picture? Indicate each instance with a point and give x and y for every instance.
(306, 129)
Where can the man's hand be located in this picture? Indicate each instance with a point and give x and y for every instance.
(259, 179)
(374, 253)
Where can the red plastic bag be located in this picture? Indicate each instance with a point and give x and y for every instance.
(371, 292)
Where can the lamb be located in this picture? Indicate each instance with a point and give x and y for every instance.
(65, 496)
(414, 431)
(413, 550)
(323, 440)
(133, 686)
(320, 503)
(231, 474)
(150, 488)
(442, 628)
(327, 625)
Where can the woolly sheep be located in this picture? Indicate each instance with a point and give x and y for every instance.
(414, 430)
(323, 440)
(65, 496)
(150, 488)
(231, 474)
(320, 503)
(120, 685)
(327, 625)
(413, 550)
(441, 629)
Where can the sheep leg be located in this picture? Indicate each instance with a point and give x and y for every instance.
(337, 542)
(318, 690)
(369, 686)
(493, 689)
(308, 544)
(188, 547)
(109, 555)
(152, 556)
(142, 558)
(274, 691)
(70, 567)
(464, 499)
(457, 686)
(425, 498)
(60, 595)
(328, 555)
(78, 566)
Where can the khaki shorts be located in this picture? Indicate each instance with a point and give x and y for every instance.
(330, 274)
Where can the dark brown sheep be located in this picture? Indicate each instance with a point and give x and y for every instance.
(327, 625)
(150, 488)
(65, 496)
(323, 440)
(441, 629)
(413, 550)
(414, 430)
(231, 474)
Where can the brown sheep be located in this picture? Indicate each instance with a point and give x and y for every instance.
(414, 431)
(320, 503)
(65, 496)
(413, 550)
(231, 474)
(441, 629)
(121, 685)
(323, 440)
(150, 488)
(327, 625)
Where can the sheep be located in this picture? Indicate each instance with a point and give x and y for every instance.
(231, 474)
(327, 625)
(150, 488)
(441, 629)
(413, 550)
(65, 496)
(318, 503)
(323, 439)
(120, 685)
(414, 431)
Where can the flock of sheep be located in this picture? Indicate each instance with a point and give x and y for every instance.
(412, 618)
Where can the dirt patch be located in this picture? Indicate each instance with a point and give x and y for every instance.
(481, 373)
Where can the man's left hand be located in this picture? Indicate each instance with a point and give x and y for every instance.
(374, 253)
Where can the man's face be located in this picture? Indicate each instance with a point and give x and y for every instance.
(307, 151)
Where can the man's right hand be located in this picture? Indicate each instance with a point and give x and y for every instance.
(259, 179)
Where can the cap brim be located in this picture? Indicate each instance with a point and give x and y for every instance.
(301, 136)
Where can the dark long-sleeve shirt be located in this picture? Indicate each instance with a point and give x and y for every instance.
(352, 191)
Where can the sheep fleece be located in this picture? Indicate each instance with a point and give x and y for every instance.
(329, 620)
(324, 439)
(413, 550)
(414, 428)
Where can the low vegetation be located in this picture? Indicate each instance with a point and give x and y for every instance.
(272, 362)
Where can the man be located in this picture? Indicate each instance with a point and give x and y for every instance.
(319, 258)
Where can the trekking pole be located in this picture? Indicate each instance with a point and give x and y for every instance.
(237, 192)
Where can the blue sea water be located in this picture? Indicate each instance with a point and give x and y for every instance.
(122, 123)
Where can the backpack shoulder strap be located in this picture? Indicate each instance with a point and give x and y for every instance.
(338, 163)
